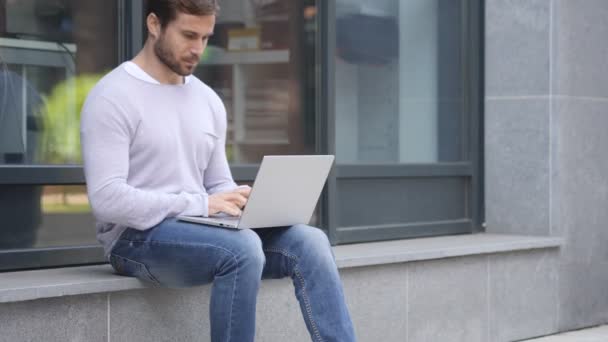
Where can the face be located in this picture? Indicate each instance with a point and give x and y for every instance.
(180, 44)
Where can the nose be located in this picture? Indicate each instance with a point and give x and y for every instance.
(197, 48)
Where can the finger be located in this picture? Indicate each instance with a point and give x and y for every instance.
(240, 201)
(236, 199)
(231, 209)
(244, 190)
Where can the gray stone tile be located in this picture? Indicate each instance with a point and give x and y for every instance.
(278, 313)
(580, 190)
(72, 318)
(376, 297)
(583, 295)
(67, 281)
(581, 186)
(579, 48)
(517, 166)
(160, 315)
(517, 47)
(439, 247)
(447, 300)
(523, 295)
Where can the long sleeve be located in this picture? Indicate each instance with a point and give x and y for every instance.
(106, 133)
(217, 177)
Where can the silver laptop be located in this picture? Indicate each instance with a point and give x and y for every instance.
(285, 192)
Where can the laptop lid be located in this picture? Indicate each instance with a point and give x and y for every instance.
(286, 190)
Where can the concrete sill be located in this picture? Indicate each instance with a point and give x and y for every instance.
(389, 252)
(29, 285)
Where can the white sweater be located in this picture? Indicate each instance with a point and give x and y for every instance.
(151, 151)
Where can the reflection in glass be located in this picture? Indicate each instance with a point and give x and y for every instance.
(261, 62)
(45, 216)
(51, 54)
(399, 93)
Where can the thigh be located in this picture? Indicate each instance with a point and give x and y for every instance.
(286, 248)
(179, 254)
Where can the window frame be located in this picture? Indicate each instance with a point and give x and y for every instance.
(471, 171)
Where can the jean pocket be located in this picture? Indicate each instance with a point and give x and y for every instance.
(131, 268)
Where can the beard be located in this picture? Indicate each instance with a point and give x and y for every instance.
(163, 52)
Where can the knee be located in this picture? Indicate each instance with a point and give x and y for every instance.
(312, 236)
(243, 255)
(314, 244)
(248, 251)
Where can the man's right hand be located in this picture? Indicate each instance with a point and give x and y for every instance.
(231, 203)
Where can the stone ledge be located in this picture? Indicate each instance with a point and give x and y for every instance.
(29, 285)
(388, 252)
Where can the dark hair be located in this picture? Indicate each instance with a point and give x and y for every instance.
(166, 10)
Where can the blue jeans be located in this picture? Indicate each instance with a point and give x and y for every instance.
(181, 254)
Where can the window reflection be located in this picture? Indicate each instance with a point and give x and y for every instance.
(45, 216)
(399, 82)
(261, 62)
(51, 54)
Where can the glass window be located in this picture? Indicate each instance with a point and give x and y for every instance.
(261, 62)
(51, 54)
(405, 88)
(399, 81)
(36, 216)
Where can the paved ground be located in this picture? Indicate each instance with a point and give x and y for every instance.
(597, 334)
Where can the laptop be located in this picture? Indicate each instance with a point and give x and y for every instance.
(285, 192)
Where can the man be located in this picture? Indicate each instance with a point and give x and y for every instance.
(153, 139)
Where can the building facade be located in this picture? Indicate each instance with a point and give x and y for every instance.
(466, 203)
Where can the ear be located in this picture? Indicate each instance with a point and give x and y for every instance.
(153, 25)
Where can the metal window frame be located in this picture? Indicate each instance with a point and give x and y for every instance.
(471, 171)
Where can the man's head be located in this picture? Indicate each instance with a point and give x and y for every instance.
(179, 30)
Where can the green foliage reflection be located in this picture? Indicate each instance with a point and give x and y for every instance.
(60, 141)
